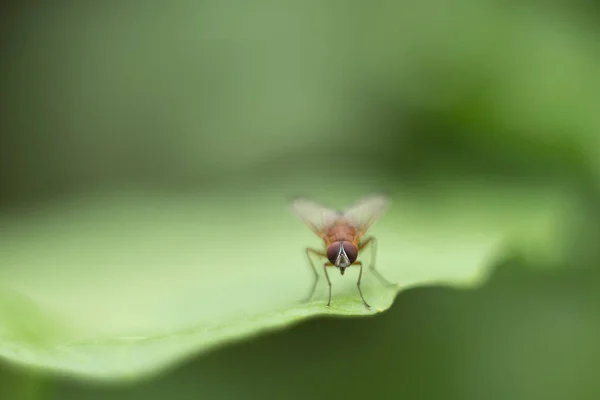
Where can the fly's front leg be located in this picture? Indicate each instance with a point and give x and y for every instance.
(310, 251)
(358, 285)
(373, 242)
(328, 264)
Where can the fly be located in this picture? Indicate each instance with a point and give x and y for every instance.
(343, 235)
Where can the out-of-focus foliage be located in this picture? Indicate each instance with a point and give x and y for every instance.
(147, 152)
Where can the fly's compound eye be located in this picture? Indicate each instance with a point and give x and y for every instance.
(351, 251)
(332, 252)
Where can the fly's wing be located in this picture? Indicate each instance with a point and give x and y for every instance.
(316, 216)
(364, 213)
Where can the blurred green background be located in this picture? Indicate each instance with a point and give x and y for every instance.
(148, 153)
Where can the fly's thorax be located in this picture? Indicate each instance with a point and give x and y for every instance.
(341, 231)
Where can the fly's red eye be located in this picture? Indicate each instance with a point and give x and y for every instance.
(333, 251)
(351, 251)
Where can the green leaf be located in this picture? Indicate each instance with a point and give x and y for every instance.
(122, 286)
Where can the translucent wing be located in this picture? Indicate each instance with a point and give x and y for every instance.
(316, 216)
(364, 213)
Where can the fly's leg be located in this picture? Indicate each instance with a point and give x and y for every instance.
(310, 251)
(373, 242)
(328, 264)
(358, 285)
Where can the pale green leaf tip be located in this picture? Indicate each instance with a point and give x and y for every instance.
(118, 358)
